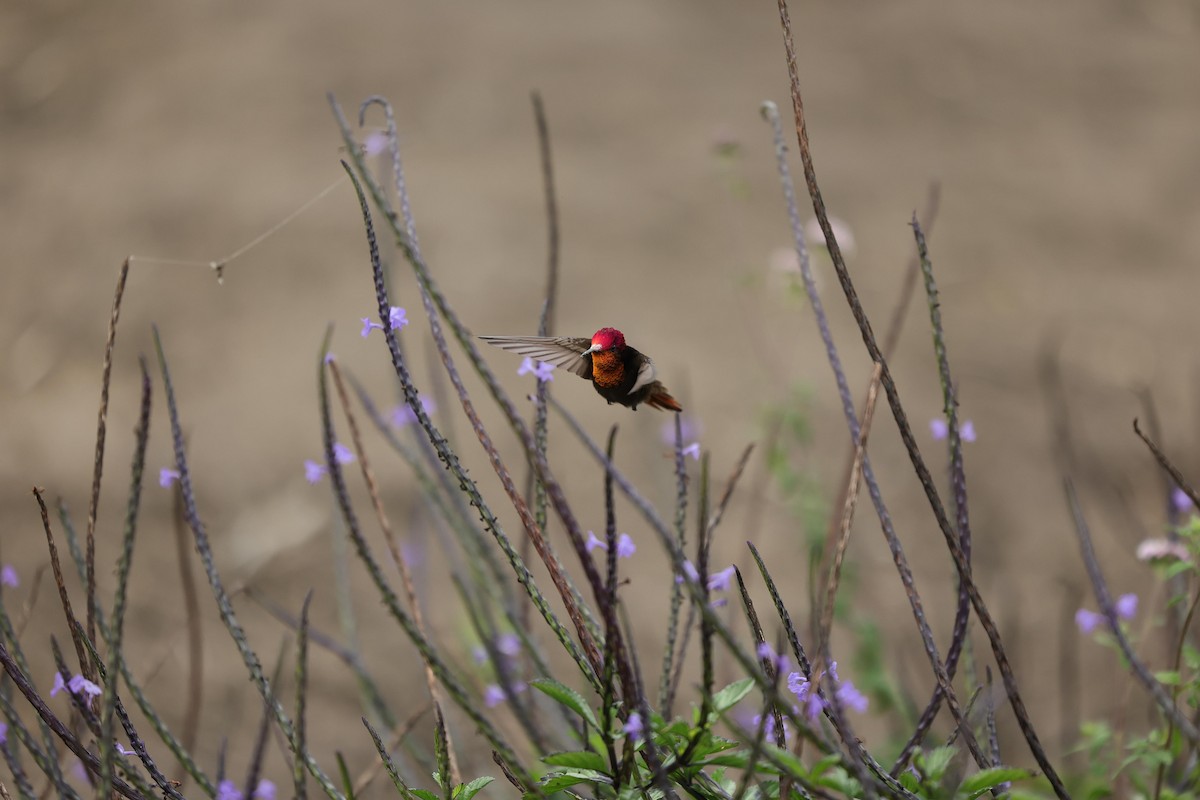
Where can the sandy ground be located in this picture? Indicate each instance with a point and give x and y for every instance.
(1064, 137)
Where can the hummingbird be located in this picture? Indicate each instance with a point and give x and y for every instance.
(620, 373)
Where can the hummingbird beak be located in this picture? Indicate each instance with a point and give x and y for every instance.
(595, 348)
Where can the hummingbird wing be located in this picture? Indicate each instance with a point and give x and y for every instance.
(561, 351)
(646, 374)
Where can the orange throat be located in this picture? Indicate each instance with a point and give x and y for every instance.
(607, 369)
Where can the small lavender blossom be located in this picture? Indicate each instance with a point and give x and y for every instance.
(79, 771)
(403, 416)
(541, 370)
(3, 732)
(768, 726)
(508, 644)
(625, 546)
(852, 698)
(634, 727)
(493, 695)
(814, 704)
(689, 571)
(1087, 621)
(768, 654)
(167, 476)
(329, 358)
(265, 790)
(940, 429)
(368, 326)
(81, 686)
(593, 542)
(374, 143)
(123, 750)
(343, 454)
(692, 450)
(690, 428)
(1179, 498)
(59, 684)
(397, 318)
(719, 581)
(313, 472)
(1162, 550)
(9, 577)
(798, 685)
(967, 431)
(227, 790)
(479, 654)
(1127, 606)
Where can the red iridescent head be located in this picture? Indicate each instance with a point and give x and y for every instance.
(608, 339)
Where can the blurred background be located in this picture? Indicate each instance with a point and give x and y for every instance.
(1065, 138)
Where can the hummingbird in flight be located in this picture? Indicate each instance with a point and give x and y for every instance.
(620, 373)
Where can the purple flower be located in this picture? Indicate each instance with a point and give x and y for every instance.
(1087, 621)
(1162, 549)
(813, 705)
(692, 450)
(634, 727)
(509, 644)
(81, 686)
(265, 790)
(397, 318)
(719, 581)
(59, 684)
(313, 472)
(542, 371)
(768, 654)
(798, 685)
(8, 576)
(1127, 606)
(374, 143)
(940, 429)
(167, 476)
(479, 654)
(122, 750)
(1181, 501)
(690, 428)
(3, 732)
(227, 790)
(768, 727)
(852, 698)
(369, 326)
(329, 358)
(594, 541)
(343, 454)
(625, 546)
(689, 571)
(79, 771)
(403, 416)
(493, 695)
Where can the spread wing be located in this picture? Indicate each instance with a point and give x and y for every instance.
(646, 374)
(561, 351)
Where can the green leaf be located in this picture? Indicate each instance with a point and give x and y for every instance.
(1168, 677)
(933, 764)
(729, 696)
(465, 791)
(566, 696)
(557, 781)
(981, 781)
(584, 759)
(344, 772)
(424, 794)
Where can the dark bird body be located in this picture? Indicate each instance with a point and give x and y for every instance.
(620, 373)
